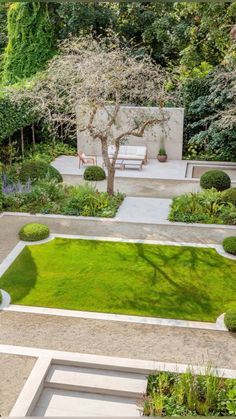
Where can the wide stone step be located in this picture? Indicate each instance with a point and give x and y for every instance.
(93, 380)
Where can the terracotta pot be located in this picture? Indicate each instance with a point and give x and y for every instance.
(161, 159)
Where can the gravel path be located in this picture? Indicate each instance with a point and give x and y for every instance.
(14, 372)
(168, 344)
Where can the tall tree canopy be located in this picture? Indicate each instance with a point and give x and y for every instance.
(32, 37)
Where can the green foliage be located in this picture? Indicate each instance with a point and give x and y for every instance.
(34, 232)
(35, 170)
(85, 200)
(14, 116)
(229, 245)
(49, 152)
(210, 122)
(187, 394)
(31, 39)
(162, 151)
(79, 18)
(207, 207)
(230, 323)
(229, 195)
(94, 173)
(51, 197)
(215, 179)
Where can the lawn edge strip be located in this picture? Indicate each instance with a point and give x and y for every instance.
(92, 315)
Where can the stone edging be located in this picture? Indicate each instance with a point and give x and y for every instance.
(6, 300)
(115, 220)
(219, 325)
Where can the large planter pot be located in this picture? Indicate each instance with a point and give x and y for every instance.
(161, 159)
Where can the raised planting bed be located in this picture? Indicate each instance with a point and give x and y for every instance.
(128, 278)
(172, 394)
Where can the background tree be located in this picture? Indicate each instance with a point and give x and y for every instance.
(31, 39)
(98, 75)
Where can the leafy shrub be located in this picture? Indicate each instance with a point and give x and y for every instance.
(229, 195)
(230, 320)
(94, 173)
(215, 179)
(187, 394)
(36, 170)
(49, 152)
(85, 200)
(229, 245)
(207, 206)
(34, 232)
(56, 198)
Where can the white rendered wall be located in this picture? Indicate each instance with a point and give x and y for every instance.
(129, 117)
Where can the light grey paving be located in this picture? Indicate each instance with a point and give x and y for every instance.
(60, 403)
(147, 210)
(98, 380)
(172, 169)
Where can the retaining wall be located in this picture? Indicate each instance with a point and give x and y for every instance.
(103, 227)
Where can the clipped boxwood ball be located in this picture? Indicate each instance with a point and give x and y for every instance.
(229, 245)
(215, 179)
(94, 173)
(36, 170)
(230, 196)
(230, 320)
(34, 232)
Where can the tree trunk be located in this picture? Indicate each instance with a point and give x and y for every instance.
(22, 142)
(110, 180)
(33, 135)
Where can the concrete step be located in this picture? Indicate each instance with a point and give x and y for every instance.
(93, 380)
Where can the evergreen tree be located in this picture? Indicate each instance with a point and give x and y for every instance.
(31, 40)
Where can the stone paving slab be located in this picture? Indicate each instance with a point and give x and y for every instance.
(148, 342)
(147, 210)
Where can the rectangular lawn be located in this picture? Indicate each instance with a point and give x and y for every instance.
(128, 278)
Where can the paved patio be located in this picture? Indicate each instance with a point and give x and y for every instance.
(172, 169)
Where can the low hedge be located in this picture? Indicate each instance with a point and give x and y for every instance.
(229, 195)
(215, 179)
(229, 245)
(230, 320)
(94, 173)
(36, 170)
(34, 232)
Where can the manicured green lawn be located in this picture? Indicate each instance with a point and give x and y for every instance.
(128, 278)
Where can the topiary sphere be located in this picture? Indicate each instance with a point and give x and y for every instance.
(34, 232)
(215, 179)
(94, 173)
(230, 195)
(36, 170)
(229, 245)
(230, 320)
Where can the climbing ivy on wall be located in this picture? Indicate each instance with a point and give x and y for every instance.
(31, 40)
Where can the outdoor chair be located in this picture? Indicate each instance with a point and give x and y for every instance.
(85, 160)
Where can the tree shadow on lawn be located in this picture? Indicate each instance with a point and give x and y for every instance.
(20, 277)
(189, 298)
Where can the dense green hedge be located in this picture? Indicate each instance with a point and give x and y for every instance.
(215, 179)
(1, 193)
(229, 245)
(35, 170)
(31, 40)
(230, 320)
(94, 173)
(34, 232)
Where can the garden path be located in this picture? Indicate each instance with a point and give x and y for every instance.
(149, 210)
(167, 344)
